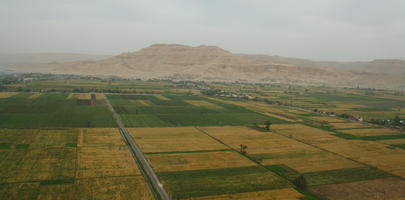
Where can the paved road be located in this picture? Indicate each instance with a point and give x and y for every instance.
(143, 164)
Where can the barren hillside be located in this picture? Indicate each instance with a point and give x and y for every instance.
(180, 62)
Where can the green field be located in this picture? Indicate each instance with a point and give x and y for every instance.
(186, 184)
(177, 112)
(51, 110)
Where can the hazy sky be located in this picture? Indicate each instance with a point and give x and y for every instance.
(314, 29)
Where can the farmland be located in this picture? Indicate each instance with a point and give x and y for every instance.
(68, 163)
(60, 141)
(51, 110)
(182, 111)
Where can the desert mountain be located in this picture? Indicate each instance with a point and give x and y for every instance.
(211, 63)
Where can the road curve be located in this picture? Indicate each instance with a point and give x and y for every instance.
(145, 168)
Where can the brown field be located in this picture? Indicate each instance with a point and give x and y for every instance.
(202, 103)
(161, 97)
(279, 194)
(197, 161)
(371, 132)
(348, 125)
(35, 95)
(173, 139)
(387, 188)
(7, 94)
(327, 119)
(102, 152)
(369, 152)
(274, 149)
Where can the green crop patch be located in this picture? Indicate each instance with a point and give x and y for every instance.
(22, 146)
(178, 111)
(70, 145)
(5, 145)
(284, 171)
(51, 110)
(53, 182)
(186, 184)
(371, 138)
(177, 152)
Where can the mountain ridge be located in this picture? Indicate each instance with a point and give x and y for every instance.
(211, 63)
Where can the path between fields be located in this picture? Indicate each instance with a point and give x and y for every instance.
(144, 166)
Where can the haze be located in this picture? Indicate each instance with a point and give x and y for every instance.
(341, 30)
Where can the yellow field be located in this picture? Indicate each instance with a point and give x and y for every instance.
(369, 152)
(371, 132)
(203, 104)
(99, 96)
(267, 109)
(197, 161)
(327, 119)
(303, 133)
(105, 161)
(279, 117)
(84, 96)
(274, 149)
(71, 95)
(395, 141)
(102, 152)
(140, 102)
(347, 125)
(173, 139)
(35, 95)
(7, 94)
(280, 194)
(313, 163)
(96, 164)
(256, 141)
(343, 107)
(37, 164)
(161, 97)
(131, 187)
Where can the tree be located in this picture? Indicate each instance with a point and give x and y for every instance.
(268, 124)
(243, 148)
(301, 182)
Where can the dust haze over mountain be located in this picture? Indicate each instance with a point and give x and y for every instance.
(211, 63)
(337, 32)
(7, 60)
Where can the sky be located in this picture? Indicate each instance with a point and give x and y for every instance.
(335, 30)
